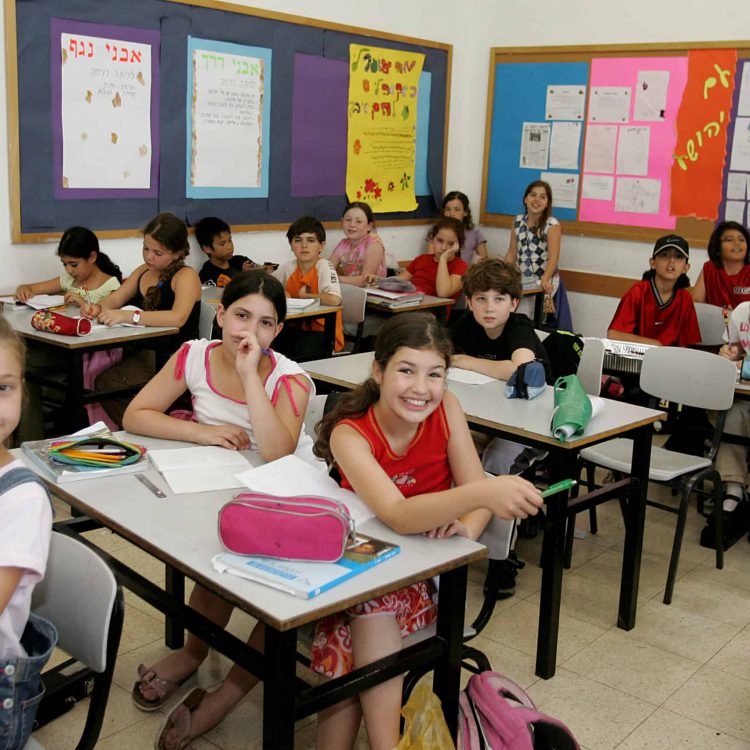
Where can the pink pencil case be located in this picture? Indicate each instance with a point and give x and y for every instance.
(308, 528)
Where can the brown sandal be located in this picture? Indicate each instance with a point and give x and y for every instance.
(181, 720)
(164, 689)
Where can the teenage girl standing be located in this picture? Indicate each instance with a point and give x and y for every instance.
(401, 442)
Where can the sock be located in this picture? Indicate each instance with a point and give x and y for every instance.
(731, 488)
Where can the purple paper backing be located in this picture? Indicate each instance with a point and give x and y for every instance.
(730, 138)
(129, 34)
(319, 125)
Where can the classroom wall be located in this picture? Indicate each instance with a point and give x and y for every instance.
(472, 27)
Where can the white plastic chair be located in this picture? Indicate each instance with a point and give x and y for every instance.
(354, 302)
(206, 320)
(591, 365)
(693, 378)
(711, 324)
(80, 595)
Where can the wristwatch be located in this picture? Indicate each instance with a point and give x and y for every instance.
(136, 317)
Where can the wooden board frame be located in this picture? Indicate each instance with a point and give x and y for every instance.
(12, 103)
(696, 231)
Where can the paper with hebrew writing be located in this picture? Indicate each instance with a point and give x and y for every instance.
(382, 132)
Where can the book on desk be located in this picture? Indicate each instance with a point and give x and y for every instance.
(308, 579)
(393, 300)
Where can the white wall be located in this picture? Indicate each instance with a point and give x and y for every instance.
(472, 27)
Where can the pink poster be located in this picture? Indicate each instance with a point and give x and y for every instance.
(627, 158)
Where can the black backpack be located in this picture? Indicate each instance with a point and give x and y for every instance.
(564, 352)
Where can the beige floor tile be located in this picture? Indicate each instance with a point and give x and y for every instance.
(106, 539)
(632, 667)
(733, 658)
(139, 629)
(736, 570)
(716, 601)
(517, 628)
(142, 735)
(665, 729)
(599, 716)
(590, 601)
(716, 699)
(506, 660)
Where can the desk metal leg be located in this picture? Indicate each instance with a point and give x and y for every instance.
(450, 627)
(174, 633)
(77, 417)
(538, 310)
(636, 516)
(553, 549)
(278, 689)
(329, 332)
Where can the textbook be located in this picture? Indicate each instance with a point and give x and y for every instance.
(296, 304)
(394, 299)
(39, 452)
(308, 579)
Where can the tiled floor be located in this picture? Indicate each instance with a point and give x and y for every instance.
(680, 679)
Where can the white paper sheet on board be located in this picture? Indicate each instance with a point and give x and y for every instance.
(599, 149)
(564, 145)
(737, 186)
(632, 150)
(743, 105)
(535, 137)
(565, 103)
(564, 188)
(610, 104)
(651, 96)
(637, 195)
(735, 211)
(598, 187)
(741, 145)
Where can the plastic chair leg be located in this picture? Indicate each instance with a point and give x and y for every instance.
(674, 560)
(718, 494)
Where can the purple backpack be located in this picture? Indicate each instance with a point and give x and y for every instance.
(496, 714)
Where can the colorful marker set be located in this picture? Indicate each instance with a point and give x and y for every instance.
(95, 452)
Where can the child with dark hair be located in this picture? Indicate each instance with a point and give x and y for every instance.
(456, 205)
(309, 276)
(659, 310)
(215, 239)
(725, 277)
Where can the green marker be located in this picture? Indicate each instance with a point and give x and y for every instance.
(566, 484)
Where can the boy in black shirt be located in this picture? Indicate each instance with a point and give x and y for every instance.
(215, 238)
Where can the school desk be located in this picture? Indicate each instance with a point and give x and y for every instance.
(180, 531)
(487, 409)
(69, 351)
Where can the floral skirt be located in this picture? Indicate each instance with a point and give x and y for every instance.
(412, 607)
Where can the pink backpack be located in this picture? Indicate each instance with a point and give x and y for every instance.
(496, 714)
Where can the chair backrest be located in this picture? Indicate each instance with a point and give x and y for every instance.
(711, 324)
(354, 302)
(541, 335)
(592, 363)
(78, 595)
(314, 413)
(206, 320)
(690, 377)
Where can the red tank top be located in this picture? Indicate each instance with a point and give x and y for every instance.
(423, 468)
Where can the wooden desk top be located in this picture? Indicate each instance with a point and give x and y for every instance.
(426, 303)
(212, 296)
(181, 530)
(487, 406)
(20, 320)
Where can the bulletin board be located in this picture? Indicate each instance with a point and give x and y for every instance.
(636, 141)
(298, 66)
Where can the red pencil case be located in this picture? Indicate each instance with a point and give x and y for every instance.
(45, 320)
(313, 529)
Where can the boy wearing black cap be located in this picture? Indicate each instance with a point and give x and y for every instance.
(659, 310)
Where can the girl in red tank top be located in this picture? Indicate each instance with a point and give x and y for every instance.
(402, 443)
(725, 277)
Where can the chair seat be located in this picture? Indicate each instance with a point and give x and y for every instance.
(665, 465)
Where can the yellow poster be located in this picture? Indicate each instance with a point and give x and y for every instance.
(382, 133)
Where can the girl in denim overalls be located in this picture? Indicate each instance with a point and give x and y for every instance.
(26, 640)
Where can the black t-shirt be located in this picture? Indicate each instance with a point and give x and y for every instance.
(213, 274)
(469, 338)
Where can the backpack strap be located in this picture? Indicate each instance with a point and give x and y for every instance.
(16, 477)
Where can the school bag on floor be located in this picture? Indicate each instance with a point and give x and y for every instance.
(497, 714)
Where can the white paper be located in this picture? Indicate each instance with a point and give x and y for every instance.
(632, 150)
(651, 96)
(290, 475)
(741, 145)
(106, 112)
(228, 94)
(564, 188)
(598, 187)
(535, 145)
(564, 145)
(599, 150)
(565, 102)
(743, 105)
(737, 186)
(609, 104)
(469, 377)
(637, 195)
(201, 457)
(566, 431)
(735, 211)
(43, 301)
(295, 303)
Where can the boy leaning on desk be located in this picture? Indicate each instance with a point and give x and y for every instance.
(492, 339)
